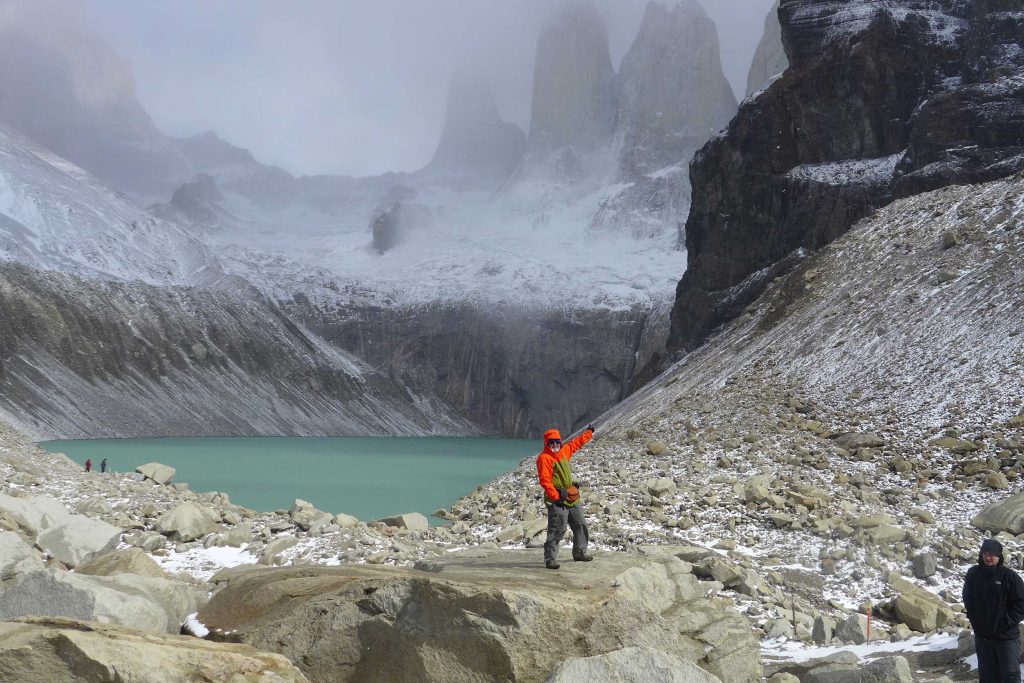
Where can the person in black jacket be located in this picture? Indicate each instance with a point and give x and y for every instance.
(994, 600)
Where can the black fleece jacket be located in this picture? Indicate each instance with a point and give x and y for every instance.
(994, 599)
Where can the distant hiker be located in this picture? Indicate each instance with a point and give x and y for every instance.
(994, 600)
(88, 465)
(103, 465)
(562, 496)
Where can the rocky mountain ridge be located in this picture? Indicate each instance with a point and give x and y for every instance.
(881, 100)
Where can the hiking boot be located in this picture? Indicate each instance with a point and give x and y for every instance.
(552, 565)
(583, 557)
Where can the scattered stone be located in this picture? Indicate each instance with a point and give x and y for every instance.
(660, 488)
(188, 521)
(853, 629)
(413, 521)
(925, 565)
(656, 448)
(154, 471)
(852, 441)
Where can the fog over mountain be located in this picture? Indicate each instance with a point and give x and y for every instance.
(353, 87)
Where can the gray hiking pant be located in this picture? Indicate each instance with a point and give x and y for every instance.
(998, 660)
(558, 517)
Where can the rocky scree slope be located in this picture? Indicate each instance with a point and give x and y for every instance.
(881, 100)
(836, 442)
(88, 358)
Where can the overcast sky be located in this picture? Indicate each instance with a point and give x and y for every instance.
(352, 86)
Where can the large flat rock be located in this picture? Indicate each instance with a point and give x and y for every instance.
(144, 602)
(40, 650)
(479, 616)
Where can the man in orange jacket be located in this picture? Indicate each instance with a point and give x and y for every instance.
(562, 495)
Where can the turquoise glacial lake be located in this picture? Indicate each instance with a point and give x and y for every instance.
(368, 477)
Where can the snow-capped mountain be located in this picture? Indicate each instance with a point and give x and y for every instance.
(55, 216)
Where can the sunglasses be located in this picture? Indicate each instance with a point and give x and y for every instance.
(554, 441)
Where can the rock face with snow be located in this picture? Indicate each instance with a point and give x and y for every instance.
(475, 141)
(880, 101)
(770, 58)
(673, 95)
(574, 86)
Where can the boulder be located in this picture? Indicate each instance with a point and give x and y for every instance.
(147, 540)
(660, 488)
(852, 441)
(893, 669)
(236, 537)
(17, 559)
(345, 521)
(34, 513)
(78, 537)
(126, 561)
(951, 443)
(161, 474)
(1004, 515)
(631, 665)
(853, 629)
(94, 507)
(144, 602)
(834, 673)
(188, 521)
(413, 521)
(916, 607)
(509, 533)
(48, 650)
(478, 615)
(656, 447)
(307, 517)
(718, 568)
(925, 565)
(276, 547)
(823, 629)
(885, 535)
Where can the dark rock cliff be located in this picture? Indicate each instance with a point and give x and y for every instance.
(881, 100)
(515, 371)
(85, 358)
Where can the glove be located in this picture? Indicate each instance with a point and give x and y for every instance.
(562, 495)
(591, 428)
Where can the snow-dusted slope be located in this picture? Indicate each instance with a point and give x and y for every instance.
(54, 215)
(906, 335)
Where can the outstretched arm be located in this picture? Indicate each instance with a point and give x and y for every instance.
(580, 441)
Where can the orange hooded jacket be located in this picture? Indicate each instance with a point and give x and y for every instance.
(553, 466)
